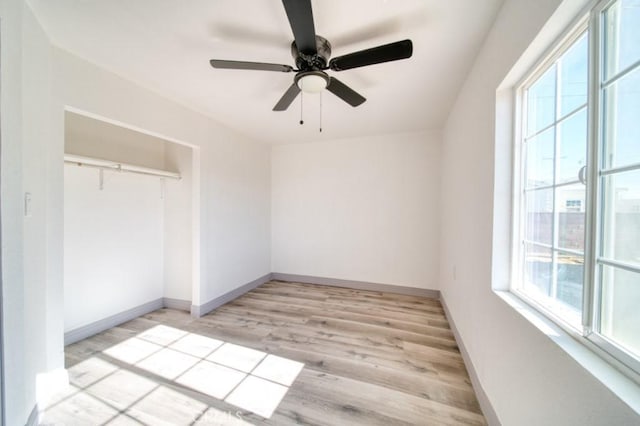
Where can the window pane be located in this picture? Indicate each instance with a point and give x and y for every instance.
(541, 102)
(554, 152)
(622, 121)
(573, 147)
(540, 154)
(570, 272)
(539, 209)
(621, 217)
(573, 77)
(622, 32)
(537, 270)
(570, 205)
(620, 316)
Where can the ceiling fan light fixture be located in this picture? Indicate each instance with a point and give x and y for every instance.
(312, 82)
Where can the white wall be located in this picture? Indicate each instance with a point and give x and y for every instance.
(113, 244)
(20, 400)
(89, 137)
(233, 202)
(362, 209)
(528, 379)
(31, 279)
(178, 224)
(235, 215)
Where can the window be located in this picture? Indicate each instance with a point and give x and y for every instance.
(578, 170)
(617, 314)
(554, 153)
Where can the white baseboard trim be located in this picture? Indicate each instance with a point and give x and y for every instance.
(357, 285)
(197, 311)
(485, 405)
(179, 304)
(96, 327)
(200, 310)
(34, 417)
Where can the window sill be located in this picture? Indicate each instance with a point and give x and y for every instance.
(577, 348)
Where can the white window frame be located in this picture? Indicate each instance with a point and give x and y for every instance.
(550, 57)
(594, 216)
(588, 335)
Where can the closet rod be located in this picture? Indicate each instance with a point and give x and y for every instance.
(119, 167)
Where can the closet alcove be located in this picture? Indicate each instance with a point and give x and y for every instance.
(128, 224)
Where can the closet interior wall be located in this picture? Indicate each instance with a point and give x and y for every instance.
(127, 236)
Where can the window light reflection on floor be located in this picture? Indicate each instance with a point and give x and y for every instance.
(246, 378)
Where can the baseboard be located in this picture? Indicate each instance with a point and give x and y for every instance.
(485, 405)
(179, 304)
(34, 417)
(200, 310)
(88, 330)
(357, 285)
(197, 311)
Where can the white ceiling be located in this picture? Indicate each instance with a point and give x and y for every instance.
(165, 45)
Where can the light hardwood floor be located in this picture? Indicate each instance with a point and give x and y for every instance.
(369, 358)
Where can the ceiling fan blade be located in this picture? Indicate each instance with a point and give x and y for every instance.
(242, 65)
(376, 55)
(344, 92)
(301, 20)
(287, 98)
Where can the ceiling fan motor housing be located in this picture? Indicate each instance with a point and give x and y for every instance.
(316, 60)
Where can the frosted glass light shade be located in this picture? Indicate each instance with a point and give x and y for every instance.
(312, 83)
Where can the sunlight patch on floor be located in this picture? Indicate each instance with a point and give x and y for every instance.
(196, 345)
(125, 382)
(113, 391)
(132, 350)
(212, 379)
(257, 395)
(168, 363)
(238, 357)
(278, 369)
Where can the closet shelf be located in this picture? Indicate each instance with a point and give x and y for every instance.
(81, 161)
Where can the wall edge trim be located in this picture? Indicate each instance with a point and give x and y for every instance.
(485, 404)
(96, 327)
(179, 304)
(357, 285)
(198, 311)
(34, 417)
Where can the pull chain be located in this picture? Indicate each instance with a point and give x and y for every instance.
(320, 112)
(301, 106)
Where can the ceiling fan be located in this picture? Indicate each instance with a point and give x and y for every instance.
(311, 53)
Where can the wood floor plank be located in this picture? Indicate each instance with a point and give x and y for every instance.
(361, 294)
(354, 394)
(368, 358)
(381, 333)
(395, 305)
(396, 324)
(453, 375)
(430, 319)
(458, 394)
